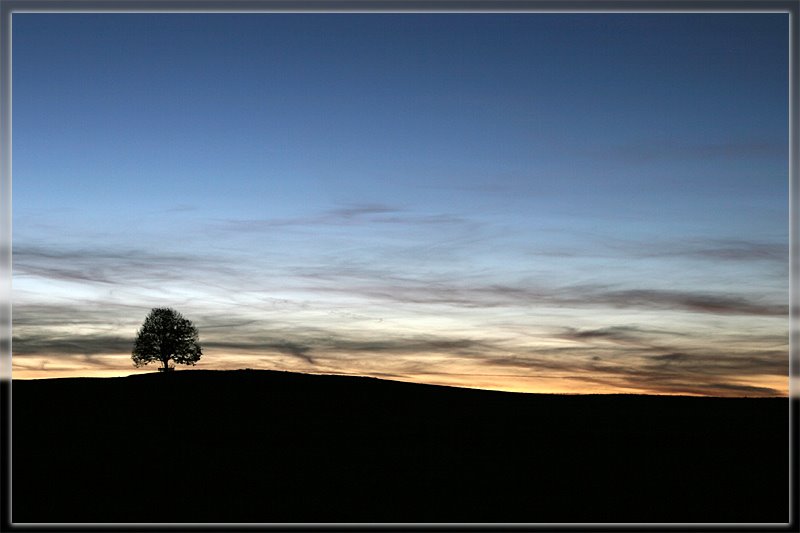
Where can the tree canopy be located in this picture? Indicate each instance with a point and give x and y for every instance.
(166, 336)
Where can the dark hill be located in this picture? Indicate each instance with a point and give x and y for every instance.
(261, 446)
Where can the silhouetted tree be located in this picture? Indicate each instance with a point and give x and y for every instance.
(164, 336)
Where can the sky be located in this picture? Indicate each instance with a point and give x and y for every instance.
(533, 202)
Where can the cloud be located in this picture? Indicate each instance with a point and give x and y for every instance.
(682, 385)
(304, 341)
(747, 389)
(63, 364)
(48, 343)
(106, 314)
(707, 249)
(619, 334)
(704, 373)
(350, 215)
(644, 359)
(734, 250)
(697, 302)
(405, 345)
(708, 362)
(418, 292)
(83, 329)
(623, 357)
(359, 210)
(293, 348)
(670, 357)
(647, 152)
(182, 208)
(114, 266)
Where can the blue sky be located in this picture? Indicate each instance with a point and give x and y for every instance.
(542, 202)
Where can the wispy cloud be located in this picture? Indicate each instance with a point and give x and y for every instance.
(735, 250)
(697, 302)
(657, 150)
(587, 244)
(620, 334)
(700, 372)
(182, 208)
(623, 357)
(50, 343)
(574, 296)
(111, 265)
(266, 344)
(360, 210)
(351, 215)
(330, 317)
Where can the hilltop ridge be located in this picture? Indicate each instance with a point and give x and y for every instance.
(265, 446)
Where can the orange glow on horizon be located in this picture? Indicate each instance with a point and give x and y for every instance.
(119, 365)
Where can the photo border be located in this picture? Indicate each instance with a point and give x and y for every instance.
(9, 7)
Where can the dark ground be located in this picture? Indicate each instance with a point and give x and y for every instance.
(261, 446)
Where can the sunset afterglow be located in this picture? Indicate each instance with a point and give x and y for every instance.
(568, 203)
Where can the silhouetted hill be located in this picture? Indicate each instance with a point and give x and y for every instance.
(263, 446)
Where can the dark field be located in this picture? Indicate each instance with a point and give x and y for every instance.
(261, 446)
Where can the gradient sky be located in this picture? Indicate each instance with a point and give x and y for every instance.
(531, 202)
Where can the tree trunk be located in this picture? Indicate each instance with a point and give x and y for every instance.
(165, 361)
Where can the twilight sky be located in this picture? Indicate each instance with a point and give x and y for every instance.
(530, 202)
